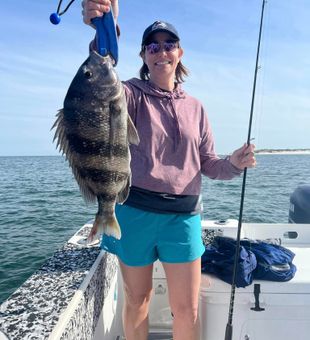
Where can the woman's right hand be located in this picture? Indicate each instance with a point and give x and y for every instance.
(96, 8)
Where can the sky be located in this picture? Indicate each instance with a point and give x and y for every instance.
(38, 61)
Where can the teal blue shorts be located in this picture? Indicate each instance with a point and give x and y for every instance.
(148, 236)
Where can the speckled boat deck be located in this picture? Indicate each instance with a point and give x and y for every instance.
(33, 310)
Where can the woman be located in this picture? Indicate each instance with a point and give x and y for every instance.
(160, 219)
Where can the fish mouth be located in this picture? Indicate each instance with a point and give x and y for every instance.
(102, 59)
(102, 66)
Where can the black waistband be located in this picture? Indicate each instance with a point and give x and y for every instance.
(163, 202)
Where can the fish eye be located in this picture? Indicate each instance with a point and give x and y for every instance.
(88, 74)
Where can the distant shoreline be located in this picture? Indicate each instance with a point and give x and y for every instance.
(283, 152)
(257, 152)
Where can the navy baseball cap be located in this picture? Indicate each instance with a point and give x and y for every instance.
(159, 26)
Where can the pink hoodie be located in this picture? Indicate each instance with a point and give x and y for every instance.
(176, 142)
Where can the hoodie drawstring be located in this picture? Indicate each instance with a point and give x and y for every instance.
(177, 134)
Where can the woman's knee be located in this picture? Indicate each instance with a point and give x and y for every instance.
(136, 300)
(186, 314)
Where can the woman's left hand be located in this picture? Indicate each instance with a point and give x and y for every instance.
(243, 157)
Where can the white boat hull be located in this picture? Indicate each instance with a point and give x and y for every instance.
(286, 305)
(94, 311)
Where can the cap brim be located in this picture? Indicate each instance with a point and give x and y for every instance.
(159, 30)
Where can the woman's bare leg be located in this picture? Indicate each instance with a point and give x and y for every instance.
(184, 285)
(137, 293)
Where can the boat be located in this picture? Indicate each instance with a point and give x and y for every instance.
(77, 293)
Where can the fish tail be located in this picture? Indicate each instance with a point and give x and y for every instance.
(94, 232)
(108, 226)
(113, 228)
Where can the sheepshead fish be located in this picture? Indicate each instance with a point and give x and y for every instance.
(94, 130)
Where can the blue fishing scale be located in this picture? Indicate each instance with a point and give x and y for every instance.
(106, 36)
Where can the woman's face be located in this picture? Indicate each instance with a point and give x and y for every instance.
(162, 64)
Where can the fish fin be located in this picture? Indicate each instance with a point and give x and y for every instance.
(133, 137)
(113, 228)
(94, 232)
(60, 132)
(108, 226)
(123, 194)
(87, 193)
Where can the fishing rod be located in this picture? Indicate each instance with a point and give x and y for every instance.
(229, 326)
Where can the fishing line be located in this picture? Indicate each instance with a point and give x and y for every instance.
(261, 86)
(229, 327)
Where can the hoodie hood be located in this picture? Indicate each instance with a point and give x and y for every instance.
(148, 87)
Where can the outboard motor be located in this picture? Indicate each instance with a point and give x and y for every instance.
(300, 205)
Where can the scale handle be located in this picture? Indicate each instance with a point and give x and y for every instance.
(106, 36)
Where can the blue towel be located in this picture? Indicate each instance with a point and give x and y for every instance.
(257, 260)
(274, 262)
(218, 259)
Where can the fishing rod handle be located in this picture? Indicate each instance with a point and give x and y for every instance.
(228, 332)
(106, 36)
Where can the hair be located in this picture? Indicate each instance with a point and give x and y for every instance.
(180, 73)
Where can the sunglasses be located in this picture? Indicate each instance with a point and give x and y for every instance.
(168, 46)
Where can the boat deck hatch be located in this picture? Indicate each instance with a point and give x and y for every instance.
(154, 336)
(160, 335)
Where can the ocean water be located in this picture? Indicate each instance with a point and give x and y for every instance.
(41, 206)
